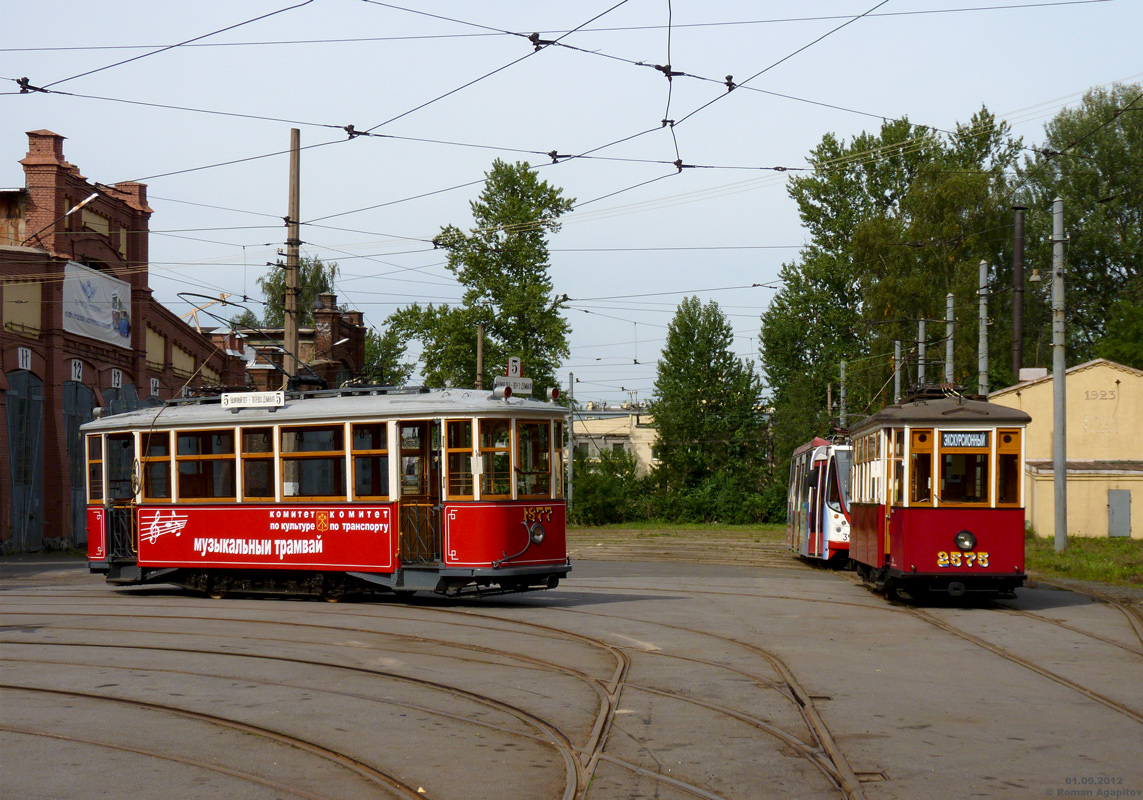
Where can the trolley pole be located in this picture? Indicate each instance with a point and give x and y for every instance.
(479, 356)
(982, 346)
(571, 434)
(1018, 292)
(841, 398)
(921, 352)
(1059, 379)
(896, 371)
(950, 332)
(293, 242)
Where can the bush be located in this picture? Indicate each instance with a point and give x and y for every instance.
(608, 490)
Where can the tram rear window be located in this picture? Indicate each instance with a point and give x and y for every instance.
(95, 469)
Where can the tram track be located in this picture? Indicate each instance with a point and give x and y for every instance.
(370, 773)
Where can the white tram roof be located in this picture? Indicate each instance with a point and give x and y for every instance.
(944, 412)
(331, 406)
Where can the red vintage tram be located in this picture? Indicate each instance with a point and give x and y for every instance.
(331, 492)
(937, 497)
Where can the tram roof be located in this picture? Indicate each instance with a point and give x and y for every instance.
(311, 407)
(954, 411)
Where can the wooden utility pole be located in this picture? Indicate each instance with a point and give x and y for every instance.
(293, 242)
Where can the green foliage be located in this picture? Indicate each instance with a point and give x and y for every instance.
(711, 444)
(1118, 561)
(1123, 339)
(607, 491)
(314, 277)
(502, 263)
(383, 353)
(1094, 162)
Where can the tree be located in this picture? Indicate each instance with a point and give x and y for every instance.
(502, 263)
(383, 354)
(706, 412)
(1092, 158)
(314, 277)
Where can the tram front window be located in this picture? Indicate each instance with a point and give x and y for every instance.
(964, 478)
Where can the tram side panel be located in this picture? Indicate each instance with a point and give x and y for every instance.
(867, 534)
(516, 534)
(922, 540)
(320, 537)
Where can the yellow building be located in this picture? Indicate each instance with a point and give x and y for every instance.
(1104, 449)
(628, 430)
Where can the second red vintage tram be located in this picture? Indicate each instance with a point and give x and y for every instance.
(937, 497)
(331, 492)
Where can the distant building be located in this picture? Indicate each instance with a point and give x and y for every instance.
(616, 429)
(1104, 449)
(80, 331)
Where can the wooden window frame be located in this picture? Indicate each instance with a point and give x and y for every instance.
(257, 457)
(91, 499)
(178, 459)
(1009, 449)
(518, 459)
(145, 438)
(487, 458)
(285, 457)
(462, 450)
(383, 452)
(939, 454)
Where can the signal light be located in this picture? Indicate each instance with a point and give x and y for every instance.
(553, 394)
(502, 392)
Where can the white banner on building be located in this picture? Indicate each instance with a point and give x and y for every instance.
(96, 305)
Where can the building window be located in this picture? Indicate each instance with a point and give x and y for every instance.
(206, 465)
(371, 461)
(313, 463)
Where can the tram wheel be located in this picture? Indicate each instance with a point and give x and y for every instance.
(216, 591)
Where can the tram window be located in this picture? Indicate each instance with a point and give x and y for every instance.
(95, 469)
(558, 460)
(534, 471)
(921, 478)
(1008, 467)
(371, 461)
(414, 477)
(496, 453)
(206, 465)
(257, 463)
(156, 463)
(313, 462)
(964, 478)
(459, 447)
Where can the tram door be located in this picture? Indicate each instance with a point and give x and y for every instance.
(121, 496)
(420, 502)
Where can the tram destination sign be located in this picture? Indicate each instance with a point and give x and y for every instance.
(964, 438)
(253, 399)
(519, 385)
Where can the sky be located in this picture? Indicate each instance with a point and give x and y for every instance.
(444, 88)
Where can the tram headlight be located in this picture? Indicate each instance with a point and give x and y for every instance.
(537, 533)
(965, 540)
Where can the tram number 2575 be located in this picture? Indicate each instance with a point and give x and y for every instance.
(955, 559)
(537, 514)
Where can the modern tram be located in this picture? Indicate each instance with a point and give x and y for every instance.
(937, 497)
(331, 493)
(817, 507)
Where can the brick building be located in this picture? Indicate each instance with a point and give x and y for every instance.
(80, 331)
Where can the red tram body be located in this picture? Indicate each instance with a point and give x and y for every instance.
(937, 499)
(332, 492)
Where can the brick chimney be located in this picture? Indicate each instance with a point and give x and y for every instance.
(326, 318)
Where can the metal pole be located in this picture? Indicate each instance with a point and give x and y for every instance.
(950, 333)
(829, 400)
(842, 415)
(1059, 379)
(896, 371)
(1018, 292)
(982, 346)
(479, 356)
(293, 242)
(921, 353)
(571, 434)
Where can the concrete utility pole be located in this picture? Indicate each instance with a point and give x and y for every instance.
(842, 415)
(950, 331)
(293, 242)
(921, 353)
(1018, 292)
(982, 346)
(896, 371)
(571, 434)
(1059, 379)
(479, 356)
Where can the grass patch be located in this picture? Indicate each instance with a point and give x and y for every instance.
(1117, 561)
(666, 529)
